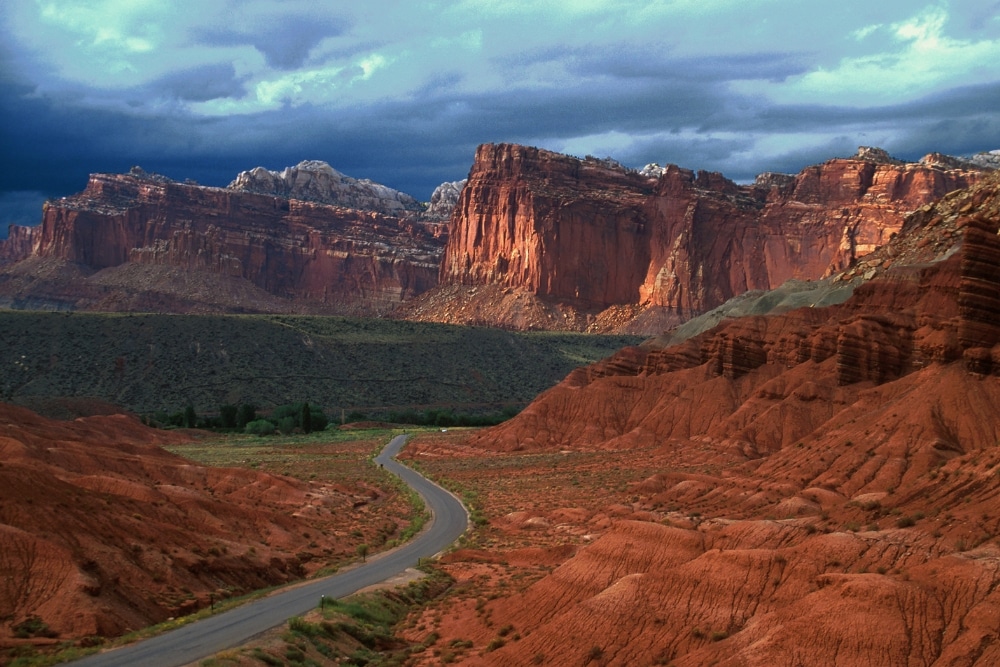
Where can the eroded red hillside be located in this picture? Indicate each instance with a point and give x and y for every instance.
(102, 530)
(817, 487)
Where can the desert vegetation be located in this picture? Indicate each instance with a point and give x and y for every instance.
(164, 364)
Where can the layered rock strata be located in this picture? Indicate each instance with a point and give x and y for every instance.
(906, 319)
(322, 258)
(812, 484)
(595, 236)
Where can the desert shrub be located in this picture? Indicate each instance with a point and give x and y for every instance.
(266, 658)
(260, 427)
(294, 654)
(302, 626)
(33, 626)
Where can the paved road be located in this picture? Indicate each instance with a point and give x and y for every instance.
(232, 628)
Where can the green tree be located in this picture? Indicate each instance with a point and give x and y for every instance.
(190, 418)
(306, 418)
(227, 415)
(362, 551)
(246, 414)
(317, 420)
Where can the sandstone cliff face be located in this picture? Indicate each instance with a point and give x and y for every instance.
(596, 236)
(908, 319)
(323, 258)
(21, 242)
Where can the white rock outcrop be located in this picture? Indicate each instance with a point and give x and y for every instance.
(314, 180)
(444, 200)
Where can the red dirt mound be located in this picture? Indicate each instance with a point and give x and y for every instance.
(102, 530)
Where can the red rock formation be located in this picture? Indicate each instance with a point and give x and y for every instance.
(557, 242)
(21, 242)
(104, 527)
(324, 258)
(824, 490)
(979, 292)
(594, 236)
(894, 326)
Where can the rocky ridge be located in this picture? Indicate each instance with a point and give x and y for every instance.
(597, 245)
(314, 180)
(105, 531)
(280, 254)
(444, 199)
(537, 240)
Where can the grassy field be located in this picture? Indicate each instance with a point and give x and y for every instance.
(335, 457)
(164, 362)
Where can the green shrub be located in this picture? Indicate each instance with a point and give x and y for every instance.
(260, 427)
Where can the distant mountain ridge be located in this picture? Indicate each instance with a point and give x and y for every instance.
(534, 240)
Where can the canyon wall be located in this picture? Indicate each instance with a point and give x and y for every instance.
(536, 240)
(594, 235)
(918, 310)
(323, 258)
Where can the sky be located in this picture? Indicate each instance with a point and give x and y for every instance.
(402, 92)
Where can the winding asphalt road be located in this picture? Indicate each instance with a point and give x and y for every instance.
(232, 628)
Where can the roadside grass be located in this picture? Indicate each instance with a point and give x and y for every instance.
(358, 630)
(331, 456)
(384, 628)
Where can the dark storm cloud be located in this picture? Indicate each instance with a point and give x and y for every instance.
(980, 17)
(582, 110)
(20, 208)
(415, 143)
(200, 84)
(284, 40)
(631, 63)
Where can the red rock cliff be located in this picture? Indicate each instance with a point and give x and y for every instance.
(597, 236)
(330, 259)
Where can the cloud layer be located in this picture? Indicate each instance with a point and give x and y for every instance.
(403, 92)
